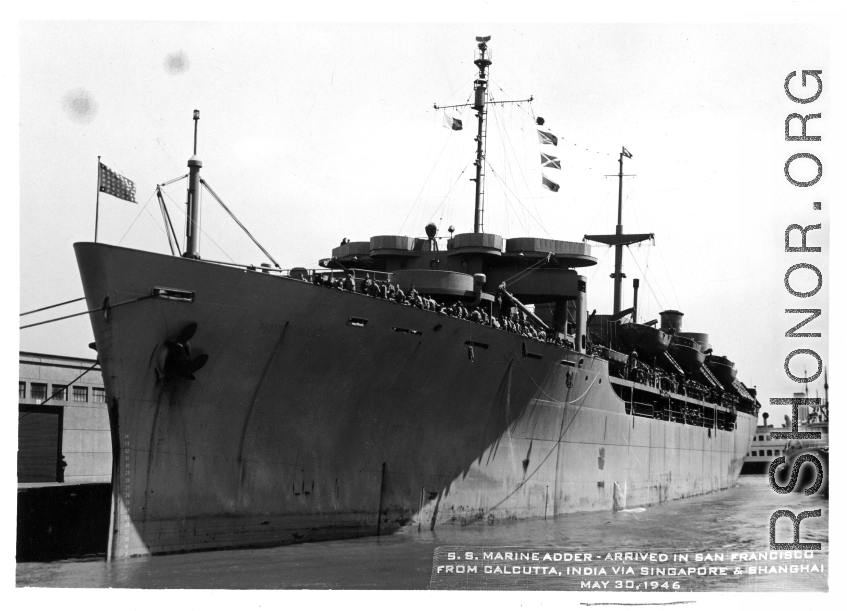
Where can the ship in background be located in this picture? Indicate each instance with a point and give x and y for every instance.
(251, 407)
(811, 419)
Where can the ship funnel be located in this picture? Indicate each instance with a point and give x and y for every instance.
(765, 418)
(671, 321)
(192, 222)
(635, 300)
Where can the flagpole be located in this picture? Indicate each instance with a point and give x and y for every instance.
(97, 213)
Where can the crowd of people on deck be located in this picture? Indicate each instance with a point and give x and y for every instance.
(510, 319)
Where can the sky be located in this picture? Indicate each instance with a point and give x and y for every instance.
(314, 131)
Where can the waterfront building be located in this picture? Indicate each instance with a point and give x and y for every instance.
(63, 424)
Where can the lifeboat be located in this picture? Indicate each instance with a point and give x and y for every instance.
(722, 368)
(687, 353)
(646, 341)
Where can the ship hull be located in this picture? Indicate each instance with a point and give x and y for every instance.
(304, 425)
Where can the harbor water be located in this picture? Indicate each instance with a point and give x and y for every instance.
(736, 519)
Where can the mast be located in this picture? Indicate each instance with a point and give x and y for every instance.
(825, 396)
(192, 220)
(482, 61)
(619, 239)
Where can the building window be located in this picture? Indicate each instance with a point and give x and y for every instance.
(81, 394)
(60, 392)
(770, 453)
(21, 390)
(98, 395)
(776, 452)
(38, 391)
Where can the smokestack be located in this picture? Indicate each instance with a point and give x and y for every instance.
(635, 300)
(671, 321)
(765, 418)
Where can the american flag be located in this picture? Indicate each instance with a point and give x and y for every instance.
(114, 184)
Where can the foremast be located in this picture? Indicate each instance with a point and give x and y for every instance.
(482, 59)
(192, 225)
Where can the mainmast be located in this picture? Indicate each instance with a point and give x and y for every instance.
(482, 61)
(619, 239)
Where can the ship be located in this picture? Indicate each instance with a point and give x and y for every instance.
(767, 447)
(254, 406)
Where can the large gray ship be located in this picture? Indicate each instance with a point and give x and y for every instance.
(407, 384)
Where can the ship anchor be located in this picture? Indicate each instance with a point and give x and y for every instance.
(175, 358)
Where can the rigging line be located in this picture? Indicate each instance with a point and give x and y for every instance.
(649, 282)
(586, 150)
(44, 322)
(599, 264)
(513, 193)
(670, 279)
(520, 104)
(423, 186)
(249, 235)
(462, 86)
(201, 229)
(163, 230)
(444, 199)
(649, 285)
(497, 122)
(659, 284)
(520, 171)
(602, 207)
(519, 218)
(65, 388)
(136, 218)
(451, 164)
(659, 249)
(506, 161)
(522, 221)
(56, 305)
